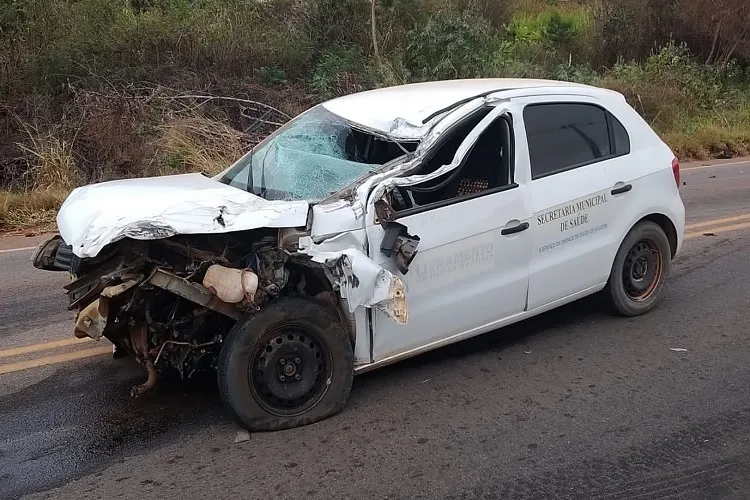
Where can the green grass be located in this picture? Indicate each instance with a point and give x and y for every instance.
(536, 26)
(710, 140)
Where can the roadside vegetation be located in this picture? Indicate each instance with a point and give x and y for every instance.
(94, 90)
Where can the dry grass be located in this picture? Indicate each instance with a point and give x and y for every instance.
(50, 161)
(35, 209)
(50, 174)
(197, 144)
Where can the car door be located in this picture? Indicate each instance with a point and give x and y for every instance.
(579, 194)
(471, 267)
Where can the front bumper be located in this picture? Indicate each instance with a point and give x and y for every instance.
(53, 255)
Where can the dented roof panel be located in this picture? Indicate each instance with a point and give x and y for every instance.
(159, 207)
(399, 111)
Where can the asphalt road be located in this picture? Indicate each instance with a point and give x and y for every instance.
(574, 404)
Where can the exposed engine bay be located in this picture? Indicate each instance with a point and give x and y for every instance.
(171, 302)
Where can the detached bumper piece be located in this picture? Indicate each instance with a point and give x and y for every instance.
(53, 255)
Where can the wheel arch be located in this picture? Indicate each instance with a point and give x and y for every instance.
(323, 292)
(667, 226)
(661, 220)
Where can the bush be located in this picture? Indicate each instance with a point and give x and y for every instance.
(580, 73)
(553, 36)
(342, 70)
(462, 47)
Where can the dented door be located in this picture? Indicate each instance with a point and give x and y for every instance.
(470, 270)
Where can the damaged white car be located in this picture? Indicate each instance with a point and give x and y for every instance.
(369, 229)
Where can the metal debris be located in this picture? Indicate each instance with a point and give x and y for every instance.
(92, 320)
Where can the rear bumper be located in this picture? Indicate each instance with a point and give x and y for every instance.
(678, 219)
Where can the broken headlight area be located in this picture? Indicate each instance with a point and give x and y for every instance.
(171, 302)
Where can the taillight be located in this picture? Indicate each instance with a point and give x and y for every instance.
(676, 171)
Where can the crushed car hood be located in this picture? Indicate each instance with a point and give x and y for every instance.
(159, 207)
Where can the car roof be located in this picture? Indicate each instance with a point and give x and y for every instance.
(378, 109)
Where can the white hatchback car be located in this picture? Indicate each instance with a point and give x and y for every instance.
(478, 203)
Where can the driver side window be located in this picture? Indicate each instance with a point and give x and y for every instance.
(487, 168)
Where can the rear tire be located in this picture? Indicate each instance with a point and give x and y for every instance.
(290, 365)
(641, 268)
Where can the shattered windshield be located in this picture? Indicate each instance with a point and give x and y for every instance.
(311, 157)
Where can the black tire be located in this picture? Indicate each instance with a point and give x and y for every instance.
(292, 338)
(640, 270)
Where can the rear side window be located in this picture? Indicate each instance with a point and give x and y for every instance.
(562, 136)
(620, 136)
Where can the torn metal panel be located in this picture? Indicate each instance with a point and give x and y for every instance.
(400, 245)
(402, 129)
(337, 217)
(85, 289)
(362, 354)
(448, 120)
(364, 189)
(351, 239)
(159, 207)
(115, 290)
(359, 279)
(465, 147)
(92, 320)
(193, 292)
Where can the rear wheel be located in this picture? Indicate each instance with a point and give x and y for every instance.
(640, 270)
(289, 365)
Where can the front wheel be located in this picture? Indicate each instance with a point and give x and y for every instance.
(640, 270)
(290, 365)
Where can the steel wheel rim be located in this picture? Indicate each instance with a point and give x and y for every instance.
(642, 270)
(289, 371)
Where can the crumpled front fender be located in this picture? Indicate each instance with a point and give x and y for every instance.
(358, 279)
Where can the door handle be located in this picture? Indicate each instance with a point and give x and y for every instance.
(515, 229)
(621, 190)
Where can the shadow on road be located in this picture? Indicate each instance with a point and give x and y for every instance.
(81, 418)
(498, 340)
